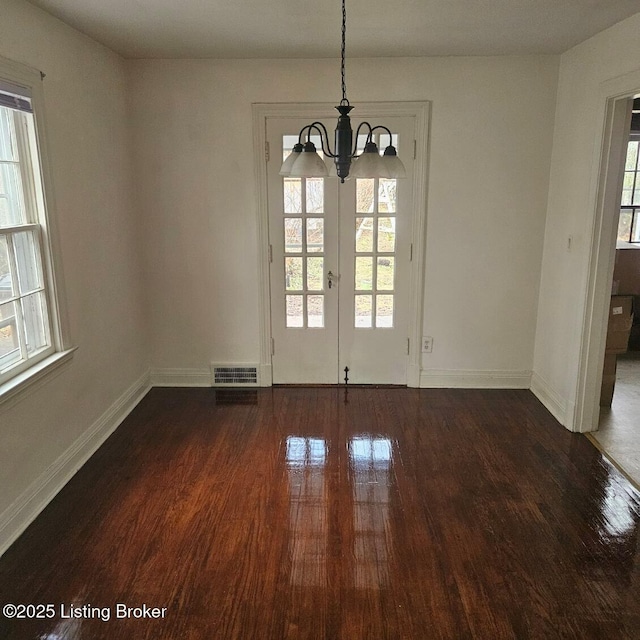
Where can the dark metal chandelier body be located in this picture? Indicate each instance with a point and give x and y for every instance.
(304, 161)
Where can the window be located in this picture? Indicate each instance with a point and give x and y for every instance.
(29, 331)
(629, 225)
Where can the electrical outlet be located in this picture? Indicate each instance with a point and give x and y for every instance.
(427, 344)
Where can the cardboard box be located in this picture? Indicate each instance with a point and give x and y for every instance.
(606, 392)
(620, 322)
(608, 379)
(626, 273)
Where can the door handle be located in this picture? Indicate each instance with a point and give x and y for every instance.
(331, 279)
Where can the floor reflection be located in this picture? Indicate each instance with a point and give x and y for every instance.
(306, 459)
(365, 565)
(370, 463)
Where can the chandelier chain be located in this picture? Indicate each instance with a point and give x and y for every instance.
(344, 100)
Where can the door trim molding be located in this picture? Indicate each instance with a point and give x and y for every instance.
(615, 99)
(421, 111)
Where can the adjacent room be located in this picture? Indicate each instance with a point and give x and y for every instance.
(305, 319)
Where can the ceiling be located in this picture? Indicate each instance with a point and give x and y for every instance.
(311, 28)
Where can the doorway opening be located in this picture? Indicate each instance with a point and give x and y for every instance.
(618, 431)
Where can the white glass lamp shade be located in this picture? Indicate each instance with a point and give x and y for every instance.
(285, 169)
(309, 164)
(393, 167)
(369, 164)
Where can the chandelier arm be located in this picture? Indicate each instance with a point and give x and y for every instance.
(319, 126)
(355, 142)
(380, 126)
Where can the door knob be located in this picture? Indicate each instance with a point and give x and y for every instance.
(331, 279)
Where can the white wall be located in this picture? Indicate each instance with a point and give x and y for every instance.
(571, 208)
(491, 133)
(88, 142)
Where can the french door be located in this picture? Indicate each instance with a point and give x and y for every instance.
(339, 267)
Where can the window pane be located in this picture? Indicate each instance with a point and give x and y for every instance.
(629, 178)
(293, 274)
(315, 274)
(294, 311)
(384, 311)
(315, 195)
(635, 236)
(315, 311)
(293, 235)
(363, 306)
(9, 341)
(34, 311)
(25, 248)
(364, 278)
(387, 195)
(624, 225)
(292, 195)
(364, 235)
(385, 273)
(8, 149)
(364, 195)
(636, 195)
(626, 197)
(387, 234)
(11, 197)
(6, 284)
(632, 155)
(315, 235)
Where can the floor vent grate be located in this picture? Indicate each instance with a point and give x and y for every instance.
(230, 375)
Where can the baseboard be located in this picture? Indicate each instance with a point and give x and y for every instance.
(18, 516)
(552, 400)
(413, 375)
(474, 379)
(181, 377)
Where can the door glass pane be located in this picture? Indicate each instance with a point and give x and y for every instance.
(315, 235)
(364, 277)
(363, 308)
(294, 311)
(364, 235)
(9, 341)
(27, 256)
(292, 195)
(315, 195)
(6, 284)
(293, 235)
(315, 311)
(34, 310)
(315, 274)
(293, 274)
(384, 311)
(385, 273)
(365, 188)
(387, 234)
(387, 195)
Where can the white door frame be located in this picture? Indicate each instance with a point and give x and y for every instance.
(313, 111)
(615, 99)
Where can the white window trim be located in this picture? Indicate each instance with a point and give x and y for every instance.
(34, 376)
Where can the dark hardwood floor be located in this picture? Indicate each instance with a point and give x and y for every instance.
(311, 513)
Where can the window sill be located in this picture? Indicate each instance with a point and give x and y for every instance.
(18, 387)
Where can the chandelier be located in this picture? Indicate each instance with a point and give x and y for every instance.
(305, 162)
